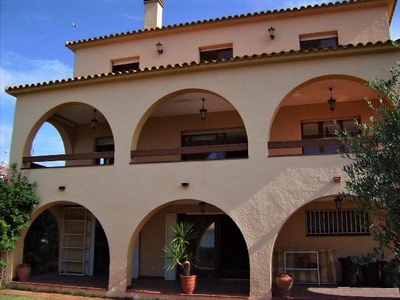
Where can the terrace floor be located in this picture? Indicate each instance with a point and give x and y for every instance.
(157, 288)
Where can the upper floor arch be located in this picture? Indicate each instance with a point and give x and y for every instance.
(83, 129)
(309, 112)
(189, 118)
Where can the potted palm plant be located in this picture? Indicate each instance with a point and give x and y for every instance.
(177, 253)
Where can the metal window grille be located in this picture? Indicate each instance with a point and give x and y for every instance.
(337, 222)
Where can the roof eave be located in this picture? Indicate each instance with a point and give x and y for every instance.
(248, 60)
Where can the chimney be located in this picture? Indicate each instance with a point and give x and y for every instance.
(153, 13)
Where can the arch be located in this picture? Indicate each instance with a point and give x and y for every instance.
(68, 118)
(174, 114)
(299, 233)
(92, 227)
(153, 237)
(304, 113)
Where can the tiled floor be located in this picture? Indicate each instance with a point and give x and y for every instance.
(207, 288)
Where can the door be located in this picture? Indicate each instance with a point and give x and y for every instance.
(219, 248)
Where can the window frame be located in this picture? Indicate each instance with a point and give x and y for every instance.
(125, 64)
(330, 222)
(318, 40)
(220, 139)
(323, 133)
(218, 50)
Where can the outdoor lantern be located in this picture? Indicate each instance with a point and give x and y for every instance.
(159, 48)
(94, 120)
(203, 112)
(271, 31)
(331, 101)
(203, 207)
(338, 202)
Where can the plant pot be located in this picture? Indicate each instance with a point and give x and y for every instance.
(188, 283)
(23, 272)
(284, 283)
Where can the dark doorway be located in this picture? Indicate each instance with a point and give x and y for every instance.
(101, 264)
(42, 243)
(219, 249)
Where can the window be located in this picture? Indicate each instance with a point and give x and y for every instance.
(320, 40)
(104, 145)
(214, 54)
(234, 136)
(337, 222)
(326, 129)
(125, 65)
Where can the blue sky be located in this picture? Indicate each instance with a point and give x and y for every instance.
(33, 35)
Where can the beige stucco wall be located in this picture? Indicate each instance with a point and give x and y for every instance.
(250, 36)
(254, 192)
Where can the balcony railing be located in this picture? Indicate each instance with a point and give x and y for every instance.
(82, 159)
(190, 150)
(306, 147)
(279, 147)
(88, 159)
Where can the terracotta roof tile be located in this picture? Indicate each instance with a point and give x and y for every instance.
(269, 12)
(120, 74)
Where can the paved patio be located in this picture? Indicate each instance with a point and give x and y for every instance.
(156, 288)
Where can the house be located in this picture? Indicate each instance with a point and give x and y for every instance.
(235, 114)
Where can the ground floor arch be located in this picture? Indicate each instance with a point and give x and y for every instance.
(314, 238)
(74, 239)
(219, 248)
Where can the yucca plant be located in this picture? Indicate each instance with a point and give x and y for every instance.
(177, 252)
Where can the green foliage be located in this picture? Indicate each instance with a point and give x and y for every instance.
(41, 243)
(374, 171)
(17, 200)
(177, 251)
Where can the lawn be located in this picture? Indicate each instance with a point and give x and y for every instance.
(17, 297)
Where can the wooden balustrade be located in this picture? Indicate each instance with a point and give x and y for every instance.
(182, 151)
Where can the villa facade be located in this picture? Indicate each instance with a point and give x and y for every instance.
(230, 113)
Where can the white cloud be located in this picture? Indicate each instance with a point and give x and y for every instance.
(16, 70)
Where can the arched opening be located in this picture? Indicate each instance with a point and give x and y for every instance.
(73, 134)
(41, 245)
(66, 245)
(48, 141)
(221, 256)
(190, 125)
(304, 123)
(315, 236)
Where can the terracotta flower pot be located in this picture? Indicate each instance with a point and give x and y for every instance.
(23, 272)
(188, 283)
(285, 283)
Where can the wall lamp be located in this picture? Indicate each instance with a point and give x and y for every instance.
(203, 207)
(271, 31)
(337, 178)
(203, 112)
(61, 188)
(159, 48)
(185, 184)
(94, 120)
(331, 101)
(338, 202)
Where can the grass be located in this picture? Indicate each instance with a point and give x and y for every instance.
(17, 297)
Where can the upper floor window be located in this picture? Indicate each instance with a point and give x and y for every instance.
(323, 40)
(210, 138)
(125, 65)
(326, 129)
(105, 144)
(215, 53)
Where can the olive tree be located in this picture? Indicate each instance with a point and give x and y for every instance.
(374, 171)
